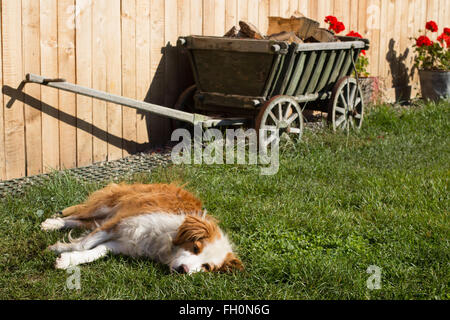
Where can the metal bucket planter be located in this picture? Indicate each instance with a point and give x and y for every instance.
(434, 85)
(370, 87)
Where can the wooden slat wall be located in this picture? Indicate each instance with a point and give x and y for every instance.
(122, 46)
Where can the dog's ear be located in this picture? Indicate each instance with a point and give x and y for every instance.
(195, 228)
(231, 263)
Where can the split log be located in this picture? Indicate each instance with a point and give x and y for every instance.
(286, 36)
(232, 33)
(250, 30)
(303, 27)
(322, 35)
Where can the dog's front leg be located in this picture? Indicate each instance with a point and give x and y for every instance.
(75, 258)
(90, 241)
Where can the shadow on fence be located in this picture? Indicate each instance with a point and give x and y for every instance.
(401, 74)
(172, 76)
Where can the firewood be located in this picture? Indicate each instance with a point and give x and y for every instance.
(303, 27)
(232, 33)
(250, 30)
(286, 36)
(321, 35)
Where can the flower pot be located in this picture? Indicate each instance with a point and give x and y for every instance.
(370, 87)
(435, 84)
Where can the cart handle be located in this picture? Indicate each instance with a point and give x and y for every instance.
(61, 84)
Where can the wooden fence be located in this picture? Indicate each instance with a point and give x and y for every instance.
(121, 46)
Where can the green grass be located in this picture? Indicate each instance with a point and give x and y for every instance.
(338, 205)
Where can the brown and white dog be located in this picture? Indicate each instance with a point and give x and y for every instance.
(160, 221)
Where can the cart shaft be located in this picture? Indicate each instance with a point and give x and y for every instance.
(61, 84)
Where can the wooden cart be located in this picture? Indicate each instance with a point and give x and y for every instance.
(270, 83)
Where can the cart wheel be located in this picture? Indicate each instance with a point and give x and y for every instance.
(185, 103)
(283, 114)
(346, 108)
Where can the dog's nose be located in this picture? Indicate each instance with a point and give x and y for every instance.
(182, 269)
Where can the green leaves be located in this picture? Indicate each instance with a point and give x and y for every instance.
(433, 57)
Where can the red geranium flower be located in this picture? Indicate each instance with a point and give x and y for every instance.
(339, 27)
(444, 37)
(356, 35)
(432, 26)
(447, 31)
(331, 20)
(424, 41)
(335, 24)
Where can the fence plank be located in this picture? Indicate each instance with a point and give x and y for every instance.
(208, 19)
(242, 10)
(219, 18)
(263, 20)
(303, 7)
(99, 58)
(284, 8)
(49, 96)
(230, 14)
(142, 68)
(67, 70)
(12, 76)
(114, 78)
(129, 74)
(253, 12)
(197, 17)
(84, 77)
(2, 128)
(32, 64)
(275, 8)
(158, 125)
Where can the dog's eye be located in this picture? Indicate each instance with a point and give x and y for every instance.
(196, 249)
(207, 267)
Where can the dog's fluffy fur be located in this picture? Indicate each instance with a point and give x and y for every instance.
(160, 221)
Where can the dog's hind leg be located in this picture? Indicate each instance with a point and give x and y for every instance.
(70, 259)
(88, 242)
(61, 223)
(100, 204)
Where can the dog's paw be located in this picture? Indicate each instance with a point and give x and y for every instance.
(59, 214)
(65, 261)
(59, 247)
(52, 224)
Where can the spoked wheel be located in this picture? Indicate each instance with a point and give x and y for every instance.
(185, 103)
(346, 109)
(282, 115)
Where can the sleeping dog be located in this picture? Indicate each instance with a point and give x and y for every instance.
(160, 221)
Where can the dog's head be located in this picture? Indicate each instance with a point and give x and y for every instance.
(200, 245)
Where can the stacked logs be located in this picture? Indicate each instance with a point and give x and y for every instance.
(297, 29)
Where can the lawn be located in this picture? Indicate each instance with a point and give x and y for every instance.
(339, 204)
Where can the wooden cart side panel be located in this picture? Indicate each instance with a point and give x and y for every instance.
(317, 72)
(336, 69)
(327, 71)
(306, 77)
(297, 74)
